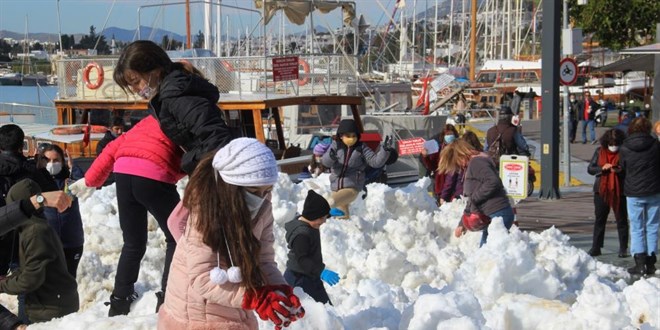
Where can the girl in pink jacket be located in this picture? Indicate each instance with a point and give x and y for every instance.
(224, 265)
(146, 167)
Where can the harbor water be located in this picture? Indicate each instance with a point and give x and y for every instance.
(36, 100)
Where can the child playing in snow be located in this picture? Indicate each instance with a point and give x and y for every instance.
(146, 167)
(305, 266)
(224, 265)
(315, 167)
(347, 159)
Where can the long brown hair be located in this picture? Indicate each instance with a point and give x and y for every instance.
(144, 56)
(218, 206)
(472, 138)
(454, 155)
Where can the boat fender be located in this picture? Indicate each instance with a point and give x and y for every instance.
(305, 67)
(66, 130)
(87, 70)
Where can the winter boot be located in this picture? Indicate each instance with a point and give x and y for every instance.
(121, 306)
(160, 297)
(650, 264)
(640, 265)
(623, 242)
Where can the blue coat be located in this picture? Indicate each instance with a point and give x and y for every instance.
(68, 224)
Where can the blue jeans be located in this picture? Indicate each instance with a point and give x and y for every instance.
(507, 216)
(592, 131)
(644, 215)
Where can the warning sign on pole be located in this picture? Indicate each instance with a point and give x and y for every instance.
(411, 146)
(514, 175)
(285, 68)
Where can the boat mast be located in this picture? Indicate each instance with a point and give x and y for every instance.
(208, 16)
(451, 29)
(473, 38)
(188, 42)
(59, 27)
(435, 35)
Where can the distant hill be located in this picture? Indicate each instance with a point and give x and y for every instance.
(119, 33)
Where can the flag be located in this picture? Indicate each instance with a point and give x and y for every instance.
(87, 132)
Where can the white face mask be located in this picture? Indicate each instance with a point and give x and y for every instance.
(613, 148)
(253, 203)
(54, 168)
(146, 92)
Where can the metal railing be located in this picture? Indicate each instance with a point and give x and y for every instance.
(41, 114)
(320, 74)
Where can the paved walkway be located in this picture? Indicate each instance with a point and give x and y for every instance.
(573, 212)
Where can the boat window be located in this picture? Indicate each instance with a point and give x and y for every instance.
(312, 118)
(487, 77)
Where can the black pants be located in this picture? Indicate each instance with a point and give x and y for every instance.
(572, 129)
(312, 286)
(72, 257)
(135, 196)
(602, 209)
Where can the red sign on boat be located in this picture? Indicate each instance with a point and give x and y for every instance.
(411, 146)
(285, 68)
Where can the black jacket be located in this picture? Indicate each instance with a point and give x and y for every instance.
(596, 170)
(186, 106)
(8, 320)
(640, 160)
(15, 167)
(304, 244)
(107, 138)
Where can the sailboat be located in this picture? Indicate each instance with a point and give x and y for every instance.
(30, 79)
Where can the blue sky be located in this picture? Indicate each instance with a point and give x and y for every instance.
(78, 15)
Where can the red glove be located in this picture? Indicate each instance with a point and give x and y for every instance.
(276, 303)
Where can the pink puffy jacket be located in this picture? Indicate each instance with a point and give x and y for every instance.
(192, 301)
(146, 144)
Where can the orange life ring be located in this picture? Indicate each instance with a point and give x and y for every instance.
(227, 66)
(87, 70)
(96, 129)
(66, 130)
(80, 129)
(305, 66)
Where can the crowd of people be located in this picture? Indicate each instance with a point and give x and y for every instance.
(220, 268)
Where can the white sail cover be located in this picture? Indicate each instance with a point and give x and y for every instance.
(297, 10)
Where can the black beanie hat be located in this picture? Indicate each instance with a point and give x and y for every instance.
(505, 110)
(315, 206)
(347, 126)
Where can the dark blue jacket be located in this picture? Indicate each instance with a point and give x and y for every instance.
(68, 224)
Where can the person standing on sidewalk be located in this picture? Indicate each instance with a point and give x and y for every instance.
(587, 117)
(573, 109)
(640, 160)
(608, 191)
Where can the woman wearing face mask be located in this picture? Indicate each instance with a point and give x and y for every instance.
(431, 161)
(347, 160)
(145, 163)
(67, 224)
(608, 191)
(184, 102)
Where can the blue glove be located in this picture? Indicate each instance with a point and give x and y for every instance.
(329, 277)
(335, 212)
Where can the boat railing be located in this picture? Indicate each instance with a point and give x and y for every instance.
(26, 113)
(240, 77)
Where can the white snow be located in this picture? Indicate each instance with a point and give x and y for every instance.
(400, 267)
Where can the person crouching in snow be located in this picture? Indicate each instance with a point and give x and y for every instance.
(224, 264)
(305, 266)
(50, 290)
(347, 159)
